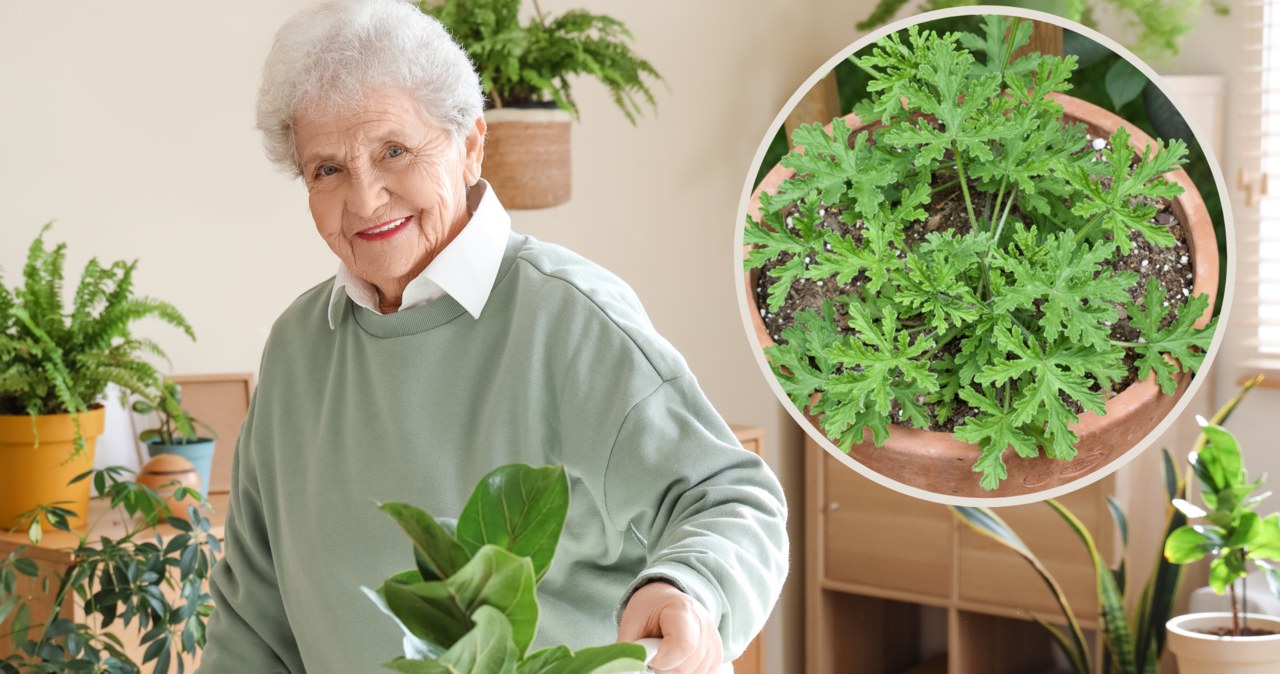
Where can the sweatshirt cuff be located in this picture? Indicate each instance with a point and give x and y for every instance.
(684, 579)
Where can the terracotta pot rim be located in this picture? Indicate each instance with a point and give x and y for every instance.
(942, 446)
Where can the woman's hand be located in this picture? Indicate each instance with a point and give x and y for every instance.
(690, 641)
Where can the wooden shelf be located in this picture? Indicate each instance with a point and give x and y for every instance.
(876, 560)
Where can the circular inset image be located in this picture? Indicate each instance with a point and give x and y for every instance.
(996, 270)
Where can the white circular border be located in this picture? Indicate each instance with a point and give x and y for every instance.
(996, 501)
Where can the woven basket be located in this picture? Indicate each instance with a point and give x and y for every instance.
(526, 157)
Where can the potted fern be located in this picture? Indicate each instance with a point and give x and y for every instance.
(974, 267)
(55, 363)
(524, 71)
(474, 587)
(1229, 531)
(176, 431)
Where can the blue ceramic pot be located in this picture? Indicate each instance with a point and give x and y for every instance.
(199, 452)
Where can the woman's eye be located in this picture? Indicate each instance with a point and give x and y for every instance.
(326, 170)
(395, 151)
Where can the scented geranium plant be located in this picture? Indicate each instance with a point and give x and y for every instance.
(470, 605)
(972, 252)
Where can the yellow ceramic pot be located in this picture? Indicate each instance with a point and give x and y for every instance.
(32, 476)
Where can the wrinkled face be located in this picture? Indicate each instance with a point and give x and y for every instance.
(387, 187)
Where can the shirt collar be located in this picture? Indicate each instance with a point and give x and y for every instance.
(465, 270)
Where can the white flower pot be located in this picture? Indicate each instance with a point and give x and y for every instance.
(1200, 653)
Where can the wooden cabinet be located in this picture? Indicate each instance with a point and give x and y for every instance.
(898, 585)
(752, 660)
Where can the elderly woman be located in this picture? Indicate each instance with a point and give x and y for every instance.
(447, 345)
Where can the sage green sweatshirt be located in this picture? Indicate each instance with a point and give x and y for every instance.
(561, 367)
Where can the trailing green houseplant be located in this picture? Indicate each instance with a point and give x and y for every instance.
(1132, 643)
(972, 234)
(527, 63)
(56, 359)
(469, 607)
(138, 580)
(1228, 530)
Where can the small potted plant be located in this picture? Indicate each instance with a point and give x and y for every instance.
(176, 432)
(474, 585)
(55, 362)
(113, 583)
(974, 273)
(524, 70)
(1230, 532)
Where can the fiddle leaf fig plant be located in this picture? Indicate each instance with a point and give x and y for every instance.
(967, 243)
(469, 606)
(1231, 532)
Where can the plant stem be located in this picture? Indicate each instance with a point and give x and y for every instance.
(1088, 226)
(964, 187)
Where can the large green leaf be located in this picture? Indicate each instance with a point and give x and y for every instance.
(519, 508)
(539, 662)
(487, 649)
(438, 555)
(611, 659)
(989, 524)
(441, 612)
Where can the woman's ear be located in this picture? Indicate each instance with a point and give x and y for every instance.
(475, 151)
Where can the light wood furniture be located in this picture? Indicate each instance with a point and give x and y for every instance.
(54, 555)
(880, 566)
(752, 660)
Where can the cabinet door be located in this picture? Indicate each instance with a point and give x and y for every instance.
(877, 537)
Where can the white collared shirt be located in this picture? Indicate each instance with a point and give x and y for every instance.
(464, 270)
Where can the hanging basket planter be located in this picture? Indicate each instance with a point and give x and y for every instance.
(527, 156)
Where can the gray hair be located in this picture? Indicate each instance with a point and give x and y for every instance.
(329, 57)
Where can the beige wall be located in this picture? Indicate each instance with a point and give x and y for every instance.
(131, 123)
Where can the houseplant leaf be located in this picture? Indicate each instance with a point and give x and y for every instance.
(437, 553)
(519, 508)
(441, 612)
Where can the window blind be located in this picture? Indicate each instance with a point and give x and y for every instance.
(1257, 303)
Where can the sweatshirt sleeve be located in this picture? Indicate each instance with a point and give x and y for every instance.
(248, 630)
(711, 514)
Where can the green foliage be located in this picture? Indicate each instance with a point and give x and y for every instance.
(1160, 24)
(55, 361)
(530, 63)
(1007, 306)
(139, 580)
(1232, 533)
(176, 427)
(1132, 643)
(470, 607)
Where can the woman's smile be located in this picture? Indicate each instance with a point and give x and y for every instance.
(385, 230)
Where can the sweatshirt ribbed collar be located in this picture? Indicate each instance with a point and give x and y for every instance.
(431, 315)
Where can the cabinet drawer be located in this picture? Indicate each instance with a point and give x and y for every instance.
(994, 575)
(877, 537)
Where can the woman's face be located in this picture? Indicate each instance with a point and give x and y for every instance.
(387, 187)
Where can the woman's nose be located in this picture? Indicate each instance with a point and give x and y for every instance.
(368, 193)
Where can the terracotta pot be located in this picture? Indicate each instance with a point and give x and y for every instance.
(937, 462)
(164, 474)
(32, 476)
(1200, 653)
(526, 156)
